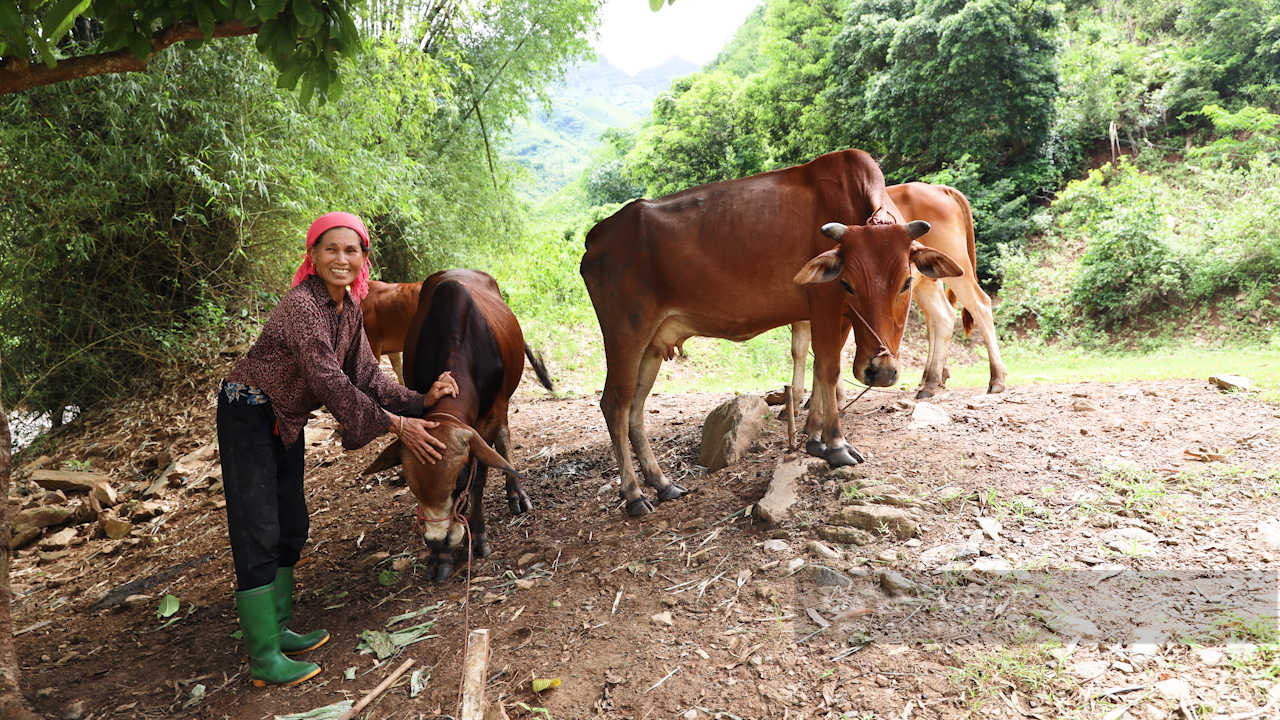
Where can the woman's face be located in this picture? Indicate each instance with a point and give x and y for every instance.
(338, 257)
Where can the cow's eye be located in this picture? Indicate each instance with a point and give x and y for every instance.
(906, 286)
(847, 287)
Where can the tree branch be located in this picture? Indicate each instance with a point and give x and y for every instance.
(17, 74)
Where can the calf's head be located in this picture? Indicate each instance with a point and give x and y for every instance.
(873, 265)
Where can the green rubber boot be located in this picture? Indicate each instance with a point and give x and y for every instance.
(291, 643)
(262, 638)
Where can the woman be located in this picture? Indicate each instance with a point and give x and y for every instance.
(312, 352)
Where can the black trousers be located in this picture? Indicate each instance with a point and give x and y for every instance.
(266, 506)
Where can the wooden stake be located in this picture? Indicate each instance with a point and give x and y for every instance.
(789, 412)
(382, 687)
(475, 671)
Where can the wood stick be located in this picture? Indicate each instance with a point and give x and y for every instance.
(789, 412)
(382, 687)
(475, 669)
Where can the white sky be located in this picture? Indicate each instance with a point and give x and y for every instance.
(634, 38)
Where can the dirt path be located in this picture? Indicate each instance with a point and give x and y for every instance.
(1102, 525)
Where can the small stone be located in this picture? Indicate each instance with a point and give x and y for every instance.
(895, 584)
(135, 601)
(991, 527)
(947, 553)
(670, 601)
(857, 571)
(147, 509)
(526, 559)
(44, 693)
(47, 558)
(401, 564)
(927, 415)
(1210, 657)
(1072, 625)
(844, 535)
(1122, 666)
(371, 560)
(823, 551)
(523, 584)
(993, 566)
(663, 619)
(1084, 406)
(794, 564)
(690, 714)
(776, 546)
(913, 543)
(825, 576)
(888, 556)
(113, 527)
(1087, 671)
(1174, 689)
(59, 540)
(1153, 712)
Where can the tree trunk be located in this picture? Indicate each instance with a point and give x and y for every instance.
(12, 705)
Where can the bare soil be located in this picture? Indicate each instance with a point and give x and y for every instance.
(572, 589)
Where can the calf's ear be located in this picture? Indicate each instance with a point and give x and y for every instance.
(480, 450)
(389, 458)
(932, 263)
(824, 268)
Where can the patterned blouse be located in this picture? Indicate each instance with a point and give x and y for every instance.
(308, 355)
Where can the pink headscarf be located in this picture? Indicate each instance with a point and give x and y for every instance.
(328, 221)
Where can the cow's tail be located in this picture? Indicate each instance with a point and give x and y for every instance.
(965, 317)
(539, 368)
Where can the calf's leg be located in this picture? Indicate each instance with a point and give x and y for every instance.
(939, 319)
(518, 501)
(650, 364)
(615, 404)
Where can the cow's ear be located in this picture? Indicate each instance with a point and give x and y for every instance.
(932, 263)
(822, 269)
(480, 450)
(389, 458)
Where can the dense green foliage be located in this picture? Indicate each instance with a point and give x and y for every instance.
(139, 210)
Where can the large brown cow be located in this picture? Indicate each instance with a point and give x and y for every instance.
(951, 233)
(463, 326)
(387, 309)
(735, 258)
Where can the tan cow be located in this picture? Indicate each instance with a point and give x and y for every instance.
(387, 309)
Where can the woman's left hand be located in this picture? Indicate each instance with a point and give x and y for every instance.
(444, 385)
(424, 446)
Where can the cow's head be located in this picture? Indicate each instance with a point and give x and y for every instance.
(436, 486)
(873, 264)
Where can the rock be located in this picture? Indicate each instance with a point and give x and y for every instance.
(1122, 666)
(1084, 406)
(946, 553)
(146, 510)
(1087, 671)
(43, 516)
(991, 527)
(690, 714)
(1073, 625)
(86, 482)
(1210, 656)
(823, 551)
(371, 560)
(1130, 541)
(1229, 383)
(112, 526)
(1146, 642)
(46, 558)
(1106, 571)
(782, 491)
(1153, 712)
(730, 429)
(848, 474)
(1240, 650)
(1269, 532)
(59, 540)
(895, 584)
(135, 601)
(663, 619)
(873, 518)
(527, 559)
(927, 415)
(912, 543)
(794, 564)
(825, 576)
(992, 566)
(402, 564)
(24, 536)
(776, 546)
(888, 556)
(844, 535)
(1174, 689)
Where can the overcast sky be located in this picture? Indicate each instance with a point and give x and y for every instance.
(634, 38)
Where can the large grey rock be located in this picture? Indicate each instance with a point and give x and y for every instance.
(782, 492)
(874, 517)
(730, 428)
(895, 583)
(86, 482)
(43, 516)
(823, 575)
(845, 535)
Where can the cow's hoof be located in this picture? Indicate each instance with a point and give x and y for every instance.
(996, 387)
(923, 394)
(519, 504)
(639, 506)
(841, 456)
(480, 547)
(671, 492)
(444, 569)
(816, 448)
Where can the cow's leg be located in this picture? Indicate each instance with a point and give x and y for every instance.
(615, 404)
(979, 306)
(939, 319)
(824, 415)
(475, 520)
(517, 500)
(397, 365)
(800, 334)
(650, 364)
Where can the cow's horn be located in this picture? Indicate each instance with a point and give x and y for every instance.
(917, 228)
(481, 450)
(835, 231)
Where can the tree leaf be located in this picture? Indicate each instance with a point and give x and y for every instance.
(43, 47)
(386, 577)
(168, 606)
(540, 684)
(268, 9)
(306, 13)
(61, 17)
(655, 5)
(204, 16)
(141, 46)
(10, 20)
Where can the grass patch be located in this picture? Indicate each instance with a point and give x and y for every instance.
(1026, 668)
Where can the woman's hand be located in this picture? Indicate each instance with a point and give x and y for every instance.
(444, 385)
(413, 433)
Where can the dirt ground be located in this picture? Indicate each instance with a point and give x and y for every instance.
(1130, 567)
